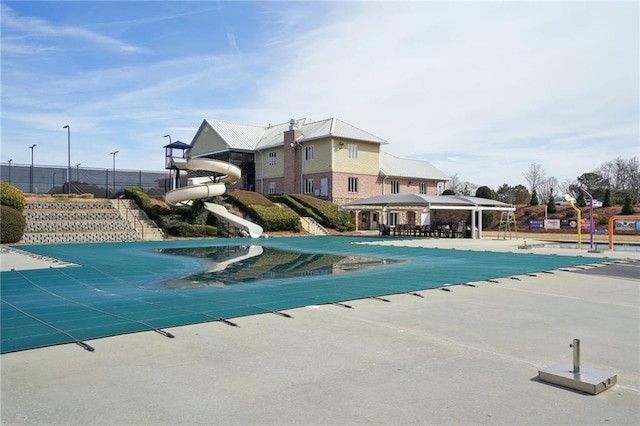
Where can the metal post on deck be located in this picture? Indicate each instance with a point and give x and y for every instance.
(576, 355)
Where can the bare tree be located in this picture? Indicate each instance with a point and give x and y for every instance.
(546, 188)
(453, 184)
(622, 175)
(535, 176)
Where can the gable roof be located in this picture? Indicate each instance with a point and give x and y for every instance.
(393, 166)
(248, 137)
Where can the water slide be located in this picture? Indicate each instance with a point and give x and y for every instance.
(205, 187)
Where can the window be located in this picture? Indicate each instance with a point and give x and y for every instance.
(353, 151)
(395, 187)
(352, 184)
(423, 187)
(272, 188)
(393, 219)
(308, 186)
(272, 158)
(308, 152)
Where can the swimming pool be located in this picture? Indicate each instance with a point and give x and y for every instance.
(109, 294)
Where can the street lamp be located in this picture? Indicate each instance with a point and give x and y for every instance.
(10, 169)
(168, 136)
(78, 172)
(31, 174)
(68, 158)
(571, 202)
(114, 171)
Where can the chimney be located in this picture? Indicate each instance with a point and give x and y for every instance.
(292, 158)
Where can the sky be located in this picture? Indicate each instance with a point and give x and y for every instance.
(481, 90)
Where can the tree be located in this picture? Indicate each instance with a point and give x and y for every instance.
(607, 198)
(522, 194)
(534, 175)
(534, 198)
(580, 201)
(485, 192)
(551, 205)
(623, 176)
(627, 208)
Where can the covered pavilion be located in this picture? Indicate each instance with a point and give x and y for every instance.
(423, 203)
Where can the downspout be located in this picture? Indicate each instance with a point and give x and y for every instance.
(261, 170)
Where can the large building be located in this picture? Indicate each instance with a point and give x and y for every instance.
(329, 158)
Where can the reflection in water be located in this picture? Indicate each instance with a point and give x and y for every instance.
(229, 265)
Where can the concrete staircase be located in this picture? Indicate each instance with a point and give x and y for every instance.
(75, 221)
(138, 219)
(310, 225)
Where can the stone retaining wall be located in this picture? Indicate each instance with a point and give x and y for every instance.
(58, 223)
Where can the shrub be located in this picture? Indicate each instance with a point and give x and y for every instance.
(11, 196)
(627, 208)
(275, 218)
(245, 199)
(607, 198)
(186, 230)
(534, 198)
(142, 200)
(331, 216)
(12, 225)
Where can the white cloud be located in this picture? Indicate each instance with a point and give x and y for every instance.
(478, 89)
(42, 32)
(466, 77)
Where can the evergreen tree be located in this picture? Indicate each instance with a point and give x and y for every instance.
(607, 198)
(534, 198)
(551, 205)
(580, 201)
(627, 208)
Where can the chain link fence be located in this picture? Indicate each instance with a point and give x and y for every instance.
(102, 183)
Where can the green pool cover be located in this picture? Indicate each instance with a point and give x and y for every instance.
(109, 294)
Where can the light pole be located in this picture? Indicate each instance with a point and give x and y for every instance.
(31, 174)
(114, 171)
(10, 169)
(68, 158)
(78, 172)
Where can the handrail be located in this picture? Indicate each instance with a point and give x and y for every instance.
(613, 219)
(127, 210)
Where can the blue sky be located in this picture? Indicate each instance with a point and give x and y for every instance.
(479, 89)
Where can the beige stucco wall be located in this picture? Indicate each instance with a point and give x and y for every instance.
(263, 169)
(368, 161)
(321, 156)
(207, 141)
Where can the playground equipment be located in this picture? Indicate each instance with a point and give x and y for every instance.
(209, 186)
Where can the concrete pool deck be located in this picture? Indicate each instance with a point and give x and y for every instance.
(466, 356)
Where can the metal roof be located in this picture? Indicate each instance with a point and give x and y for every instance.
(435, 202)
(393, 166)
(249, 137)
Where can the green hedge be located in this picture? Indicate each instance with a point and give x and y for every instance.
(186, 230)
(12, 225)
(331, 216)
(275, 218)
(11, 196)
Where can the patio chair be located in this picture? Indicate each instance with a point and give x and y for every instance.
(384, 230)
(459, 229)
(425, 231)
